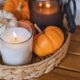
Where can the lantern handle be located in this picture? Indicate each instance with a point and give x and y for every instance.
(69, 16)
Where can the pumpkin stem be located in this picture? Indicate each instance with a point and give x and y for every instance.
(19, 7)
(36, 26)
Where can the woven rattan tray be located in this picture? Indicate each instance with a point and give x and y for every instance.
(35, 69)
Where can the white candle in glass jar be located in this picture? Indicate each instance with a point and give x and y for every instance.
(16, 46)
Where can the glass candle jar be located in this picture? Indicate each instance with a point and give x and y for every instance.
(16, 43)
(45, 12)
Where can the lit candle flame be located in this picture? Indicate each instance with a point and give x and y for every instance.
(15, 36)
(40, 4)
(48, 5)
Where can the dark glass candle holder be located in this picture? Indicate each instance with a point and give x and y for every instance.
(45, 12)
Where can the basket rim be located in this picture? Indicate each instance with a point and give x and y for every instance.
(40, 62)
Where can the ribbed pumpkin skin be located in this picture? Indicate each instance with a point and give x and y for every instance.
(49, 41)
(19, 8)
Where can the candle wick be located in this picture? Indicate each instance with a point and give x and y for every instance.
(15, 37)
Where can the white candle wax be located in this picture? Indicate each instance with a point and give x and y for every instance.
(16, 51)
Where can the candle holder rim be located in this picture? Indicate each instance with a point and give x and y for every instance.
(22, 41)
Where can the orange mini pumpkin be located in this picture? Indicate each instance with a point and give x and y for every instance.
(19, 8)
(48, 41)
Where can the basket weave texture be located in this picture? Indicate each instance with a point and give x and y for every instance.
(37, 69)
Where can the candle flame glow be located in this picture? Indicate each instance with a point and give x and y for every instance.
(40, 4)
(15, 36)
(48, 5)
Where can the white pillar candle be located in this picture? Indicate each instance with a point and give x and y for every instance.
(16, 46)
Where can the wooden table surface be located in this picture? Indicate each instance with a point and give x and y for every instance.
(69, 68)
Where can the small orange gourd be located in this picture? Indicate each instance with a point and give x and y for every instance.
(19, 8)
(48, 41)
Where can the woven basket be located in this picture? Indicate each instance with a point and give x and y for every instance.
(35, 69)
